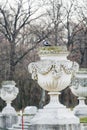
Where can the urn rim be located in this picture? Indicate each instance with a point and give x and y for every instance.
(8, 82)
(54, 50)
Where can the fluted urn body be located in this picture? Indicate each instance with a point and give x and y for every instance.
(79, 89)
(8, 94)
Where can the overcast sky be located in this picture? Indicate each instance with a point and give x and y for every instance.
(12, 1)
(35, 2)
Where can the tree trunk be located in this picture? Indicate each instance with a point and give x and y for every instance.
(12, 61)
(42, 101)
(70, 42)
(84, 63)
(56, 34)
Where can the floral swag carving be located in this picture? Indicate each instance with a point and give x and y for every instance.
(54, 67)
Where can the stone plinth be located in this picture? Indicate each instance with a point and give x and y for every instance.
(9, 120)
(1, 121)
(28, 114)
(55, 127)
(83, 126)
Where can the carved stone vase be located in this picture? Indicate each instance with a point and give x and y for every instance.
(53, 73)
(8, 94)
(79, 89)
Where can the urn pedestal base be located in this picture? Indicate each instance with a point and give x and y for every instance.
(9, 110)
(9, 120)
(54, 116)
(9, 116)
(55, 119)
(54, 101)
(81, 109)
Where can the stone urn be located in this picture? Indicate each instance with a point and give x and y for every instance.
(53, 73)
(8, 94)
(79, 89)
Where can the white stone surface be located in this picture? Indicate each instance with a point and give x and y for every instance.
(29, 113)
(30, 110)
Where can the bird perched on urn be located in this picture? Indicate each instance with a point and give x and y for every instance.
(45, 43)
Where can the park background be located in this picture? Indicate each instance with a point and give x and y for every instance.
(24, 25)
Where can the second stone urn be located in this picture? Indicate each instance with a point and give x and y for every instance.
(79, 89)
(8, 93)
(53, 73)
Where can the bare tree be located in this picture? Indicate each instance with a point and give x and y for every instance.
(12, 21)
(77, 33)
(82, 17)
(54, 9)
